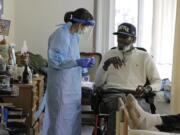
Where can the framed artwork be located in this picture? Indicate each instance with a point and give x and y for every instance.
(4, 27)
(1, 8)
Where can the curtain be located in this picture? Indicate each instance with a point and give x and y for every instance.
(156, 32)
(104, 25)
(164, 12)
(175, 106)
(163, 35)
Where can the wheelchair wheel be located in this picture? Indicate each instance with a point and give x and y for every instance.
(101, 128)
(99, 131)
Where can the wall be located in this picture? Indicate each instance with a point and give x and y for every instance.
(36, 20)
(176, 65)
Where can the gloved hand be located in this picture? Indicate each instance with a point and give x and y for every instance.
(116, 61)
(92, 62)
(141, 90)
(85, 62)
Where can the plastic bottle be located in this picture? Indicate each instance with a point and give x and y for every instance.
(84, 71)
(85, 75)
(25, 77)
(12, 57)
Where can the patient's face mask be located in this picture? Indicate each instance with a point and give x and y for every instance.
(125, 42)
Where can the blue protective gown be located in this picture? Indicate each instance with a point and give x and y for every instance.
(63, 108)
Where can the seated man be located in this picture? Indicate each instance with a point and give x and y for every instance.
(139, 119)
(126, 68)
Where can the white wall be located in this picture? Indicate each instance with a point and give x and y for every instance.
(36, 20)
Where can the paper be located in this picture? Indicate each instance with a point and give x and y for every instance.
(87, 84)
(24, 49)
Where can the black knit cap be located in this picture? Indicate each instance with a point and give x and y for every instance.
(126, 29)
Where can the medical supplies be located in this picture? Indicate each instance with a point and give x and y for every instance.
(4, 51)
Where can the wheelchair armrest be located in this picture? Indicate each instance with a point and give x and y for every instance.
(103, 115)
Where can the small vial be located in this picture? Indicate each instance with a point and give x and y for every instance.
(84, 71)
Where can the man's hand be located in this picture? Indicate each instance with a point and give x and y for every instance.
(116, 61)
(141, 90)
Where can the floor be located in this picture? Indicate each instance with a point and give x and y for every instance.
(86, 130)
(162, 107)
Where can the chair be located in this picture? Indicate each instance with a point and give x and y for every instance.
(150, 98)
(101, 119)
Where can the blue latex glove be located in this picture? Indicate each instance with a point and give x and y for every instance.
(41, 107)
(84, 62)
(93, 61)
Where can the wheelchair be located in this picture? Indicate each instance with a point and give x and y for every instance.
(101, 119)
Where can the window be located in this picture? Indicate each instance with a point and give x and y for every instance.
(125, 12)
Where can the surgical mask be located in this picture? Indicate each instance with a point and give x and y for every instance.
(125, 43)
(80, 31)
(125, 48)
(89, 32)
(85, 30)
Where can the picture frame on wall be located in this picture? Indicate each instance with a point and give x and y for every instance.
(1, 8)
(4, 27)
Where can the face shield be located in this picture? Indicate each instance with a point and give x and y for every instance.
(86, 29)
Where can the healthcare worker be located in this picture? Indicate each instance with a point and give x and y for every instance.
(63, 107)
